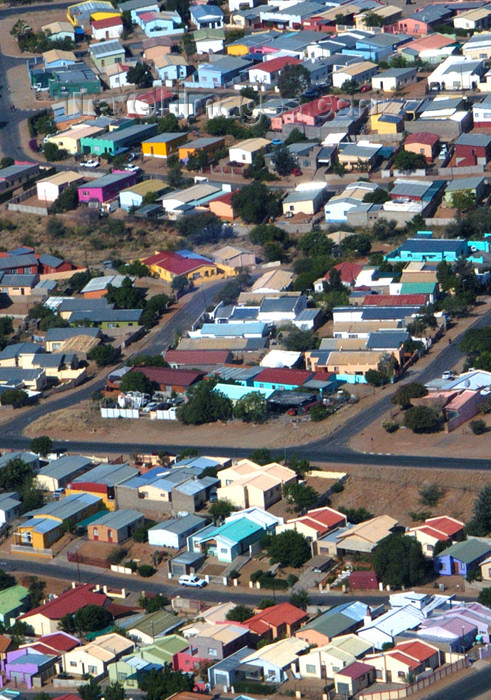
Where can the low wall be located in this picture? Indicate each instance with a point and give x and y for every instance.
(407, 691)
(120, 413)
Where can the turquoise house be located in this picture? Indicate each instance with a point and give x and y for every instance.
(118, 141)
(226, 541)
(425, 248)
(235, 393)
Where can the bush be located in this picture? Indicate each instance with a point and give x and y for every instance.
(145, 570)
(338, 487)
(117, 555)
(406, 392)
(240, 613)
(430, 494)
(253, 688)
(478, 427)
(14, 397)
(256, 575)
(423, 419)
(318, 413)
(390, 426)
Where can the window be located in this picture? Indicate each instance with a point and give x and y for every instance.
(212, 652)
(401, 674)
(73, 664)
(92, 669)
(96, 532)
(310, 668)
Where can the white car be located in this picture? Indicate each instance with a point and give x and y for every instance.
(191, 580)
(91, 163)
(132, 169)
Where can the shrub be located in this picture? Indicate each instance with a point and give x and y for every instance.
(145, 570)
(117, 555)
(423, 419)
(318, 413)
(390, 426)
(291, 580)
(338, 487)
(478, 427)
(234, 574)
(256, 575)
(430, 494)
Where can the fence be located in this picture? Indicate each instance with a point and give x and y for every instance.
(90, 561)
(120, 413)
(409, 690)
(23, 549)
(464, 170)
(168, 414)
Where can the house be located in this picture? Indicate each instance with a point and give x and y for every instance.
(50, 188)
(426, 249)
(118, 140)
(29, 667)
(9, 506)
(206, 16)
(348, 273)
(105, 53)
(47, 524)
(481, 112)
(45, 618)
(136, 6)
(106, 187)
(358, 156)
(431, 48)
(160, 23)
(171, 67)
(189, 105)
(16, 175)
(117, 75)
(365, 536)
(385, 628)
(358, 72)
(305, 201)
(208, 145)
(13, 601)
(145, 105)
(137, 194)
(476, 186)
(56, 58)
(204, 360)
(63, 338)
(244, 151)
(146, 629)
(388, 13)
(73, 79)
(226, 672)
(394, 79)
(325, 661)
(472, 149)
(209, 40)
(272, 282)
(101, 482)
(354, 678)
(70, 139)
(423, 143)
(462, 558)
(106, 28)
(174, 532)
(478, 46)
(97, 287)
(268, 72)
(94, 657)
(58, 473)
(279, 310)
(79, 14)
(167, 265)
(115, 527)
(457, 73)
(315, 523)
(228, 106)
(233, 257)
(276, 622)
(313, 113)
(411, 658)
(57, 31)
(450, 634)
(227, 541)
(477, 19)
(341, 619)
(219, 641)
(275, 660)
(130, 669)
(220, 73)
(163, 145)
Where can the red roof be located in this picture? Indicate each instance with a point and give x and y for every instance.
(356, 670)
(107, 22)
(363, 580)
(155, 95)
(147, 16)
(445, 524)
(169, 376)
(61, 641)
(276, 615)
(277, 375)
(276, 64)
(227, 198)
(326, 516)
(395, 299)
(404, 659)
(175, 263)
(349, 271)
(440, 536)
(69, 696)
(418, 650)
(197, 357)
(69, 602)
(41, 648)
(425, 137)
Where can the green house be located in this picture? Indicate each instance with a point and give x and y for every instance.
(70, 80)
(119, 140)
(106, 53)
(13, 602)
(130, 669)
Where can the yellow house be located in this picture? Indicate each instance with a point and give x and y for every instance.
(486, 569)
(163, 145)
(80, 13)
(357, 362)
(386, 117)
(69, 140)
(208, 145)
(167, 265)
(249, 484)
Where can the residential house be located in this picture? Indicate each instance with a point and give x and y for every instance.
(9, 507)
(366, 536)
(421, 23)
(233, 257)
(16, 175)
(57, 31)
(276, 622)
(432, 48)
(457, 73)
(315, 523)
(79, 14)
(485, 567)
(71, 80)
(423, 143)
(130, 669)
(220, 73)
(29, 667)
(206, 16)
(385, 628)
(394, 79)
(451, 634)
(171, 67)
(481, 112)
(59, 472)
(94, 657)
(207, 145)
(107, 28)
(46, 617)
(272, 662)
(70, 139)
(354, 678)
(406, 659)
(50, 188)
(163, 145)
(357, 72)
(115, 527)
(249, 484)
(56, 58)
(136, 6)
(342, 619)
(196, 268)
(462, 558)
(226, 672)
(161, 23)
(65, 338)
(137, 194)
(325, 661)
(358, 156)
(472, 612)
(478, 46)
(272, 282)
(218, 641)
(305, 201)
(105, 53)
(472, 149)
(13, 601)
(104, 188)
(119, 140)
(268, 72)
(426, 249)
(189, 105)
(101, 482)
(117, 75)
(228, 106)
(477, 20)
(209, 41)
(389, 14)
(175, 532)
(244, 151)
(146, 629)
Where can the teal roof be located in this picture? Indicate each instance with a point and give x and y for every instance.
(236, 531)
(418, 287)
(234, 393)
(468, 551)
(11, 598)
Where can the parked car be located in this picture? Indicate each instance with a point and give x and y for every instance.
(191, 580)
(313, 91)
(365, 88)
(92, 163)
(132, 169)
(276, 142)
(297, 172)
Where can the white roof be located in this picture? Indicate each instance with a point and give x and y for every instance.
(280, 358)
(396, 621)
(257, 515)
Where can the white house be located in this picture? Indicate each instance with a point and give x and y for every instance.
(457, 73)
(117, 75)
(237, 5)
(385, 628)
(107, 28)
(174, 532)
(478, 46)
(394, 79)
(209, 40)
(475, 20)
(244, 151)
(49, 189)
(9, 506)
(268, 72)
(360, 72)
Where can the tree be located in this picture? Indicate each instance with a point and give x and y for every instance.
(423, 419)
(293, 80)
(6, 580)
(484, 597)
(350, 87)
(168, 124)
(127, 296)
(406, 392)
(78, 281)
(283, 160)
(159, 685)
(463, 200)
(90, 691)
(480, 525)
(315, 243)
(14, 397)
(300, 341)
(430, 494)
(36, 591)
(220, 509)
(255, 203)
(356, 515)
(41, 445)
(406, 160)
(140, 75)
(180, 285)
(114, 691)
(357, 243)
(300, 599)
(289, 548)
(240, 613)
(205, 405)
(153, 603)
(52, 152)
(375, 377)
(261, 456)
(67, 200)
(398, 561)
(135, 269)
(90, 618)
(300, 496)
(15, 474)
(103, 355)
(6, 162)
(478, 427)
(136, 381)
(147, 361)
(300, 466)
(372, 19)
(378, 196)
(252, 408)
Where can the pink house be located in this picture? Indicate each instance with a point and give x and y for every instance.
(106, 187)
(310, 113)
(412, 26)
(462, 408)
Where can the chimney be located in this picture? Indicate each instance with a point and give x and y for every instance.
(368, 616)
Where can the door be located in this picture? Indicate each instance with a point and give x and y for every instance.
(455, 567)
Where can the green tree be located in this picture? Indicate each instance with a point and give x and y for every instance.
(147, 361)
(300, 496)
(463, 200)
(153, 603)
(140, 75)
(398, 561)
(255, 203)
(356, 515)
(283, 160)
(378, 196)
(406, 160)
(114, 691)
(90, 618)
(168, 124)
(300, 466)
(300, 599)
(205, 405)
(252, 408)
(406, 392)
(484, 597)
(372, 19)
(293, 80)
(14, 397)
(52, 152)
(136, 381)
(240, 613)
(90, 691)
(289, 548)
(430, 494)
(180, 285)
(357, 243)
(298, 340)
(220, 509)
(423, 419)
(375, 377)
(78, 281)
(41, 445)
(6, 580)
(36, 591)
(261, 456)
(315, 243)
(350, 87)
(478, 427)
(67, 200)
(480, 525)
(127, 296)
(159, 685)
(135, 269)
(103, 355)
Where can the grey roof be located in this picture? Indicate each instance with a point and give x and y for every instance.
(61, 334)
(302, 195)
(64, 466)
(107, 474)
(106, 48)
(386, 339)
(380, 313)
(50, 260)
(119, 518)
(111, 178)
(464, 183)
(204, 141)
(395, 72)
(107, 316)
(75, 73)
(227, 64)
(194, 486)
(482, 140)
(18, 279)
(17, 349)
(13, 170)
(165, 137)
(188, 557)
(28, 457)
(97, 284)
(307, 315)
(410, 188)
(14, 261)
(280, 304)
(434, 245)
(236, 373)
(123, 135)
(136, 5)
(67, 507)
(53, 360)
(84, 305)
(179, 526)
(464, 66)
(355, 150)
(18, 375)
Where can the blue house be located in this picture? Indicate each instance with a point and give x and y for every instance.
(206, 16)
(171, 67)
(462, 557)
(160, 23)
(426, 248)
(221, 73)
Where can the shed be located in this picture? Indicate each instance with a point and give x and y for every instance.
(186, 563)
(174, 532)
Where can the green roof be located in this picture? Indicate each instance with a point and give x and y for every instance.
(11, 598)
(156, 623)
(418, 287)
(167, 646)
(468, 551)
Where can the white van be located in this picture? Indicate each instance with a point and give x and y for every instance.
(191, 580)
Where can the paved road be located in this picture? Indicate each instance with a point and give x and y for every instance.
(477, 685)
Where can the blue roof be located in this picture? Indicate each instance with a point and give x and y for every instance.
(236, 531)
(233, 329)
